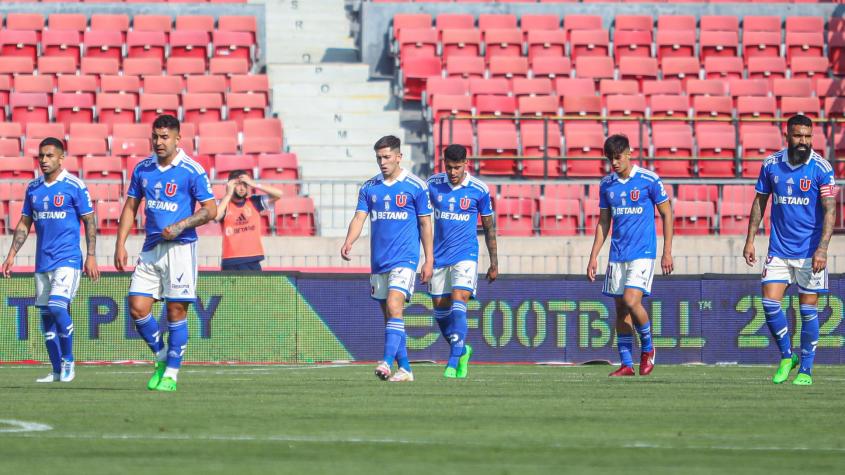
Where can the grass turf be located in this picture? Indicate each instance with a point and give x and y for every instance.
(503, 419)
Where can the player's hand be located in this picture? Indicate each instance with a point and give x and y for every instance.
(121, 258)
(427, 271)
(91, 269)
(748, 254)
(492, 273)
(247, 180)
(7, 267)
(819, 260)
(667, 263)
(172, 232)
(592, 266)
(345, 251)
(230, 186)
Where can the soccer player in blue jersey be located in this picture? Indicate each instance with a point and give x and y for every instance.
(170, 184)
(56, 202)
(627, 198)
(458, 199)
(400, 218)
(803, 213)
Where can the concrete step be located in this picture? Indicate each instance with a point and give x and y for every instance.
(335, 104)
(289, 89)
(329, 73)
(314, 54)
(348, 170)
(376, 120)
(336, 136)
(344, 154)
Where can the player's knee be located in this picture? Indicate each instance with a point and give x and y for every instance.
(139, 309)
(441, 302)
(631, 300)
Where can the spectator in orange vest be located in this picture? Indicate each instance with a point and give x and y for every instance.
(239, 213)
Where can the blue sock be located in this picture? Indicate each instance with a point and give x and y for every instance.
(51, 339)
(177, 341)
(809, 337)
(402, 354)
(645, 336)
(458, 333)
(393, 333)
(444, 321)
(776, 321)
(64, 325)
(148, 329)
(626, 345)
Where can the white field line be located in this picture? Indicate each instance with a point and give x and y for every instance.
(21, 426)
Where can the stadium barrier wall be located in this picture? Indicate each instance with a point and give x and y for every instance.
(304, 318)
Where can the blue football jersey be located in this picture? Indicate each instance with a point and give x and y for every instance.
(797, 213)
(456, 211)
(170, 193)
(56, 208)
(394, 208)
(631, 203)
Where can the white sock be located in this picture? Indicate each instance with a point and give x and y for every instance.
(171, 373)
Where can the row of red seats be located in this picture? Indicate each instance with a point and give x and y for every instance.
(124, 23)
(178, 66)
(252, 136)
(291, 216)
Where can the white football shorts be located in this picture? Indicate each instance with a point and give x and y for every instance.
(462, 275)
(167, 271)
(795, 271)
(62, 282)
(636, 274)
(399, 278)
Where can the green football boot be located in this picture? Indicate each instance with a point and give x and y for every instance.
(463, 363)
(786, 366)
(160, 366)
(167, 385)
(803, 379)
(450, 373)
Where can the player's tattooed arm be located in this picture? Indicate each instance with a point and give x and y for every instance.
(207, 212)
(90, 222)
(758, 207)
(820, 256)
(489, 226)
(21, 233)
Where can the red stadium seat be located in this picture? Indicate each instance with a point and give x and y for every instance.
(680, 67)
(33, 84)
(142, 67)
(461, 42)
(792, 88)
(508, 67)
(609, 87)
(19, 43)
(551, 67)
(110, 22)
(632, 43)
(706, 87)
(723, 67)
(202, 107)
(100, 66)
(670, 106)
(460, 66)
(496, 21)
(116, 108)
(189, 44)
(104, 191)
(16, 65)
(694, 217)
(202, 23)
(712, 147)
(502, 42)
(748, 87)
(675, 44)
(400, 22)
(163, 85)
(582, 22)
(120, 84)
(719, 43)
(416, 42)
(278, 166)
(234, 44)
(758, 144)
(808, 106)
(668, 86)
(206, 84)
(83, 147)
(61, 43)
(71, 107)
(672, 153)
(108, 216)
(585, 43)
(595, 68)
(810, 67)
(16, 168)
(57, 66)
(542, 22)
(295, 216)
(538, 141)
(415, 73)
(625, 106)
(160, 23)
(546, 43)
(263, 133)
(247, 23)
(252, 84)
(102, 167)
(497, 140)
(224, 164)
(84, 85)
(538, 106)
(515, 217)
(185, 66)
(584, 153)
(146, 44)
(638, 68)
(582, 105)
(487, 104)
(801, 43)
(575, 87)
(154, 105)
(447, 21)
(245, 106)
(103, 44)
(29, 107)
(559, 217)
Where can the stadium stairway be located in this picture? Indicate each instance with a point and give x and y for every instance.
(331, 111)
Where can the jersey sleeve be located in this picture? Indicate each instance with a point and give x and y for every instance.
(83, 201)
(603, 203)
(485, 207)
(201, 187)
(422, 202)
(658, 192)
(135, 190)
(826, 183)
(363, 203)
(763, 186)
(27, 203)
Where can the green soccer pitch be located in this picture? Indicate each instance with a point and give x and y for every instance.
(341, 419)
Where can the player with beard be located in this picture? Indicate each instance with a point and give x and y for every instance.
(239, 213)
(803, 213)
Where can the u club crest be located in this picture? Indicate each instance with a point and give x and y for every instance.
(170, 189)
(635, 195)
(401, 200)
(58, 200)
(805, 183)
(465, 202)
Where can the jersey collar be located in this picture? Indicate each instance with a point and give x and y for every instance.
(62, 175)
(175, 163)
(459, 185)
(401, 177)
(785, 159)
(634, 170)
